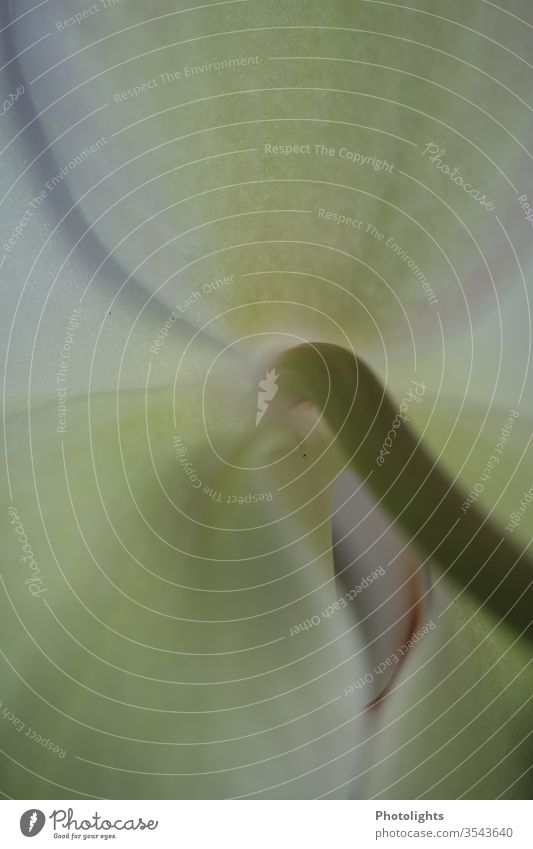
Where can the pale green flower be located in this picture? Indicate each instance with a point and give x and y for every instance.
(189, 193)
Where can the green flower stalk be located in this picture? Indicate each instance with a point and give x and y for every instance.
(409, 483)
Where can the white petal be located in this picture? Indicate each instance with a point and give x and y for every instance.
(184, 191)
(158, 651)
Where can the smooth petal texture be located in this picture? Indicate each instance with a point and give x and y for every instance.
(60, 330)
(183, 195)
(72, 321)
(193, 181)
(153, 649)
(458, 723)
